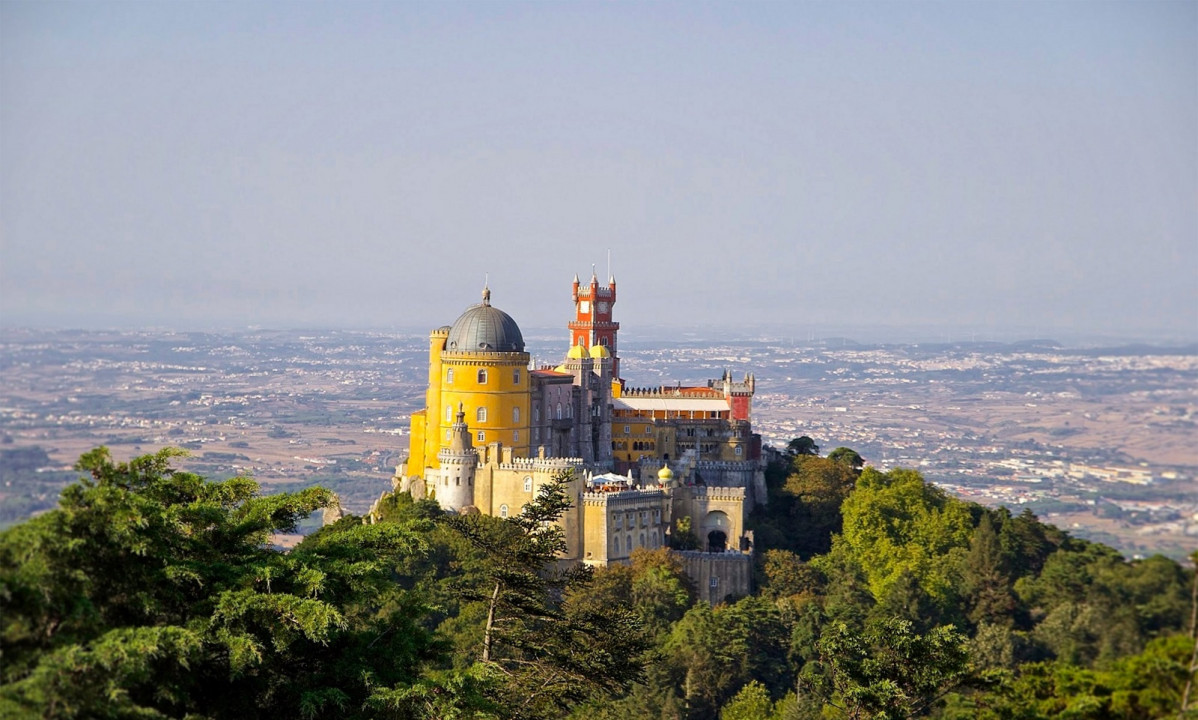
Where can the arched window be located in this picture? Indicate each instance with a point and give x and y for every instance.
(482, 436)
(642, 539)
(559, 411)
(536, 414)
(449, 413)
(516, 376)
(528, 484)
(503, 511)
(449, 376)
(628, 541)
(615, 545)
(481, 414)
(482, 377)
(569, 411)
(603, 341)
(515, 436)
(515, 414)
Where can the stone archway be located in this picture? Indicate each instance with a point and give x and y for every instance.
(717, 541)
(715, 529)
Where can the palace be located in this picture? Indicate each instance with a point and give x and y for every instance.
(494, 429)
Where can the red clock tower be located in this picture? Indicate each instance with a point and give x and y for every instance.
(592, 324)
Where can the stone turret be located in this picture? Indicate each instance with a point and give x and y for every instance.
(458, 460)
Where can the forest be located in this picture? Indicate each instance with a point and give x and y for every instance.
(149, 592)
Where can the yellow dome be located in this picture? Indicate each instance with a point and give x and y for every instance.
(562, 369)
(577, 352)
(665, 473)
(598, 352)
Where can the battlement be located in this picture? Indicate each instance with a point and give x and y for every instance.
(584, 291)
(549, 464)
(668, 392)
(726, 465)
(711, 492)
(621, 497)
(467, 357)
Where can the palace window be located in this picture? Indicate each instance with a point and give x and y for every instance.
(482, 377)
(449, 376)
(528, 484)
(481, 414)
(448, 413)
(482, 436)
(516, 376)
(618, 521)
(536, 434)
(615, 543)
(569, 411)
(627, 430)
(536, 414)
(739, 450)
(515, 414)
(515, 436)
(559, 411)
(503, 511)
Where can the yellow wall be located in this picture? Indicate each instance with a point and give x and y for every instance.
(501, 395)
(434, 429)
(416, 445)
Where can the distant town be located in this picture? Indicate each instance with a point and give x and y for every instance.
(1101, 442)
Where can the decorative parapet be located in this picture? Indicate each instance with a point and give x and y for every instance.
(621, 497)
(549, 464)
(467, 357)
(726, 465)
(667, 392)
(712, 492)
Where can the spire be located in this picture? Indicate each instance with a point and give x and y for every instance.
(594, 277)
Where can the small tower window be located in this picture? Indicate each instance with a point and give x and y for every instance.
(528, 484)
(559, 411)
(515, 414)
(449, 413)
(516, 376)
(482, 414)
(515, 436)
(569, 411)
(503, 511)
(449, 376)
(536, 414)
(482, 377)
(482, 436)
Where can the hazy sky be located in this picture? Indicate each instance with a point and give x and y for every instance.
(980, 165)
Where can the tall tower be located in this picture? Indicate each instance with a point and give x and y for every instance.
(592, 324)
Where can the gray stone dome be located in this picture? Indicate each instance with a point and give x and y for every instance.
(486, 329)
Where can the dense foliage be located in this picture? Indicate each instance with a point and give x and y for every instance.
(150, 592)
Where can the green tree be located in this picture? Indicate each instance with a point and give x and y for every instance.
(151, 592)
(889, 672)
(752, 702)
(847, 456)
(548, 654)
(986, 580)
(896, 523)
(802, 446)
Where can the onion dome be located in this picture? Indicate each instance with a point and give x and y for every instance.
(665, 474)
(486, 329)
(598, 352)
